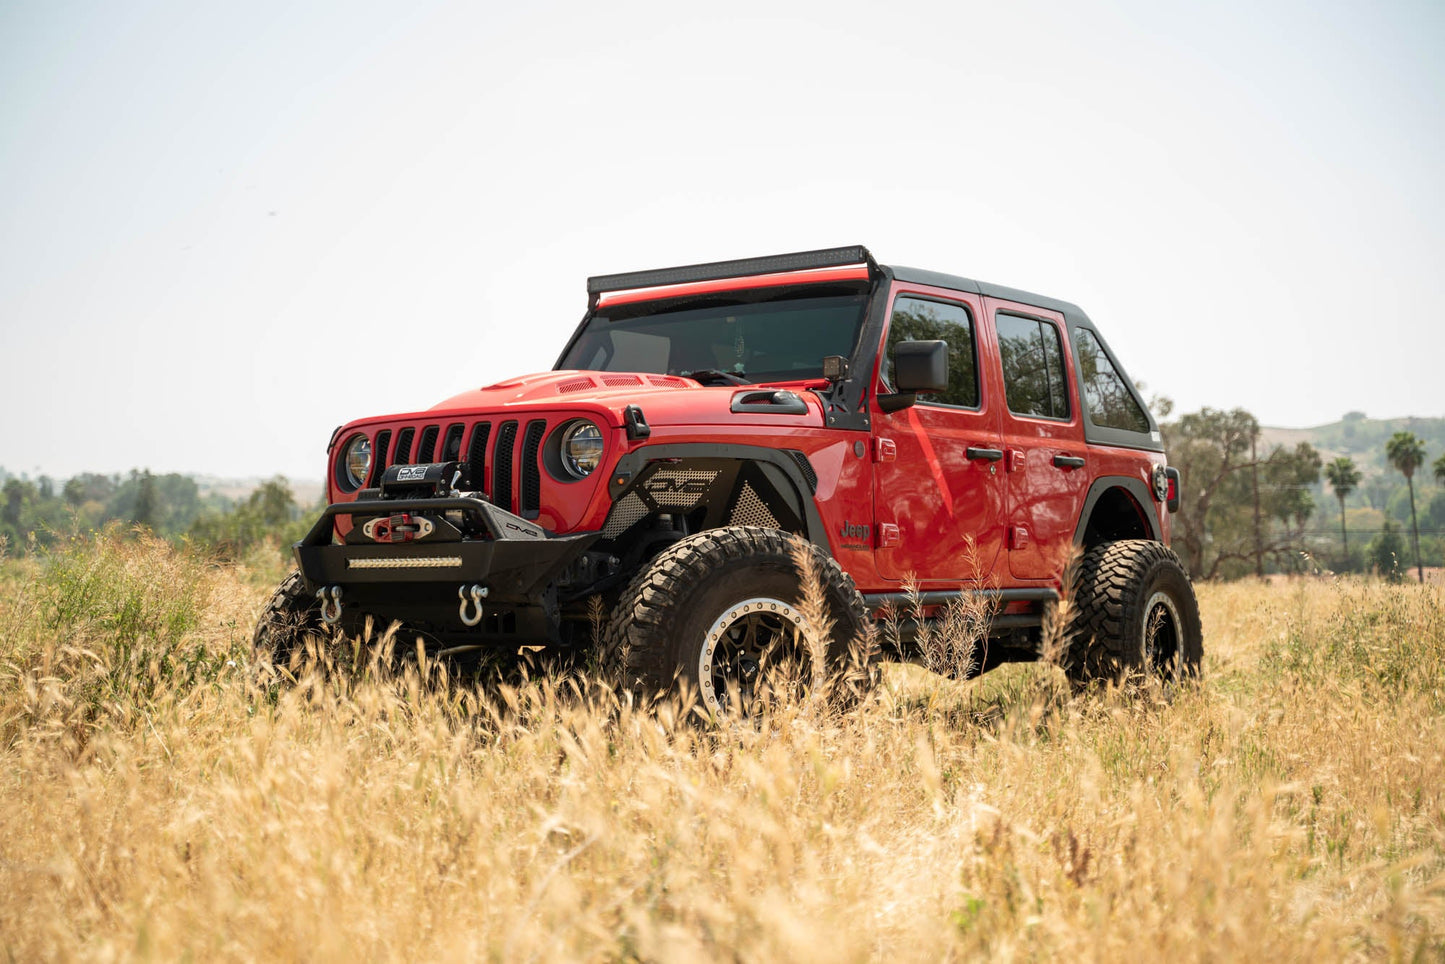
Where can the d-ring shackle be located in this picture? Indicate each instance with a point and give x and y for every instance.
(330, 610)
(474, 594)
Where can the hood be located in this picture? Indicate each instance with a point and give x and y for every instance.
(664, 399)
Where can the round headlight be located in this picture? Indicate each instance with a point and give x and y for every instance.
(356, 460)
(582, 449)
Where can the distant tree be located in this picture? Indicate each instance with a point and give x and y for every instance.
(15, 492)
(28, 515)
(1288, 476)
(1407, 453)
(146, 510)
(1241, 507)
(1439, 469)
(1385, 550)
(90, 487)
(1209, 447)
(270, 512)
(273, 503)
(175, 500)
(1343, 477)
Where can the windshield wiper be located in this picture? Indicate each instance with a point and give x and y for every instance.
(716, 376)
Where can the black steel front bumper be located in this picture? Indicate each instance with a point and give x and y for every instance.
(418, 582)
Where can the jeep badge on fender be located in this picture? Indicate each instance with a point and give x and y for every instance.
(922, 437)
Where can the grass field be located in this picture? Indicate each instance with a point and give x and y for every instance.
(160, 798)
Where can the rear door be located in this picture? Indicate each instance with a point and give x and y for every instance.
(938, 483)
(1043, 437)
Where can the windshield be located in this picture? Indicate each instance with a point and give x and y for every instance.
(773, 341)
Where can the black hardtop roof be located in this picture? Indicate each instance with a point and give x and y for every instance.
(822, 258)
(938, 279)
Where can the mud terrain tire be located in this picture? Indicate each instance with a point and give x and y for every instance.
(1134, 613)
(290, 616)
(713, 608)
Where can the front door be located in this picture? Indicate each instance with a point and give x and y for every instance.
(938, 477)
(1043, 438)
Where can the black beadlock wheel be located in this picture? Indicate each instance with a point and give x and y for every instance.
(715, 615)
(1134, 612)
(290, 616)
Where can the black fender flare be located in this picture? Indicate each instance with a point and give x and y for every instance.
(782, 468)
(1135, 488)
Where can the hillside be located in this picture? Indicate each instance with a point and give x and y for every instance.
(1382, 494)
(1361, 438)
(307, 492)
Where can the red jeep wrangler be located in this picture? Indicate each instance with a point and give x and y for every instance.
(703, 422)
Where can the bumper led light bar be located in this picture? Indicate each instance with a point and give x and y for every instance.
(407, 562)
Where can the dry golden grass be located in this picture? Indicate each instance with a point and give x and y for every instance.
(161, 798)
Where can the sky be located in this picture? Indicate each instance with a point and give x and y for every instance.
(227, 228)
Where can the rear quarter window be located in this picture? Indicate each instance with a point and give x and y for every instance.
(1106, 397)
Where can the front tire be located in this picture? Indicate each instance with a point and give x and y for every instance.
(717, 616)
(1134, 612)
(289, 618)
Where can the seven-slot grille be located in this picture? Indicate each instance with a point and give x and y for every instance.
(493, 458)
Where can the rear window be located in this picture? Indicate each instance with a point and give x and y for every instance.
(1106, 396)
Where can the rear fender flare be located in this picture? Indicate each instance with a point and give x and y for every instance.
(1137, 492)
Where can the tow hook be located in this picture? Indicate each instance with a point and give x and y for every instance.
(330, 609)
(473, 594)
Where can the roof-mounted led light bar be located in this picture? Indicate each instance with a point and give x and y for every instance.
(719, 270)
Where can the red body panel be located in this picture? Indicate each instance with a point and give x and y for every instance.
(938, 497)
(1044, 498)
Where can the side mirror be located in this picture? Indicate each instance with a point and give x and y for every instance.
(918, 366)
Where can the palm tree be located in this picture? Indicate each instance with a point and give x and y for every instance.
(1344, 477)
(1439, 468)
(1407, 453)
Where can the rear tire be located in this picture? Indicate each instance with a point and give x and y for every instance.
(716, 614)
(1134, 612)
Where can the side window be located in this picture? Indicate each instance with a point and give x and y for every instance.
(1033, 367)
(919, 319)
(1108, 400)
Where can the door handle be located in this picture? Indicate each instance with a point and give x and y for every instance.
(1068, 461)
(993, 455)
